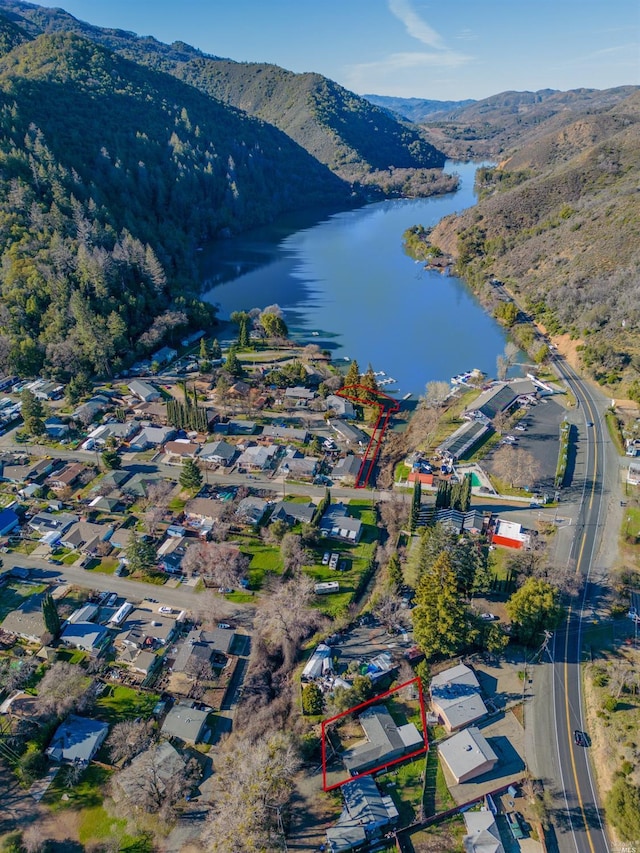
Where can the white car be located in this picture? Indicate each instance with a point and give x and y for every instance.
(165, 609)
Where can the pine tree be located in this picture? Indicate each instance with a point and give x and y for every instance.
(50, 616)
(215, 351)
(232, 364)
(441, 623)
(353, 374)
(111, 459)
(141, 555)
(33, 413)
(190, 476)
(204, 350)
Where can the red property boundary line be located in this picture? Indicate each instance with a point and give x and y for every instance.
(375, 701)
(386, 406)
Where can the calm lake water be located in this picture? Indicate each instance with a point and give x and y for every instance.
(346, 277)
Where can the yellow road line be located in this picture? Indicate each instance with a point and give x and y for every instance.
(579, 650)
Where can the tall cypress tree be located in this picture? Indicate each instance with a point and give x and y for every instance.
(415, 505)
(50, 616)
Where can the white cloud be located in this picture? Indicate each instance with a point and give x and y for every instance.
(389, 74)
(466, 35)
(415, 26)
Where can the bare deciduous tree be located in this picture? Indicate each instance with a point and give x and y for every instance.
(285, 616)
(62, 689)
(253, 786)
(154, 782)
(127, 739)
(293, 553)
(516, 466)
(436, 394)
(222, 563)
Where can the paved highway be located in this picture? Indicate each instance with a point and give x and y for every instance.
(583, 829)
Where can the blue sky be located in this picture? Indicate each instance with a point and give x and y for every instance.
(407, 48)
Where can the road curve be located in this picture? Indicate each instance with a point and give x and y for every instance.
(583, 829)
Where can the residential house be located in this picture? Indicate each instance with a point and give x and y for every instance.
(347, 469)
(154, 412)
(467, 755)
(185, 723)
(455, 697)
(257, 457)
(68, 476)
(47, 522)
(298, 466)
(151, 436)
(274, 431)
(121, 537)
(141, 662)
(111, 481)
(164, 356)
(340, 407)
(240, 427)
(292, 512)
(299, 395)
(349, 434)
(152, 770)
(86, 412)
(385, 741)
(85, 536)
(633, 474)
(77, 740)
(86, 636)
(483, 835)
(44, 389)
(27, 620)
(112, 430)
(171, 553)
(366, 816)
(337, 524)
(30, 472)
(144, 629)
(211, 647)
(218, 453)
(144, 391)
(8, 521)
(251, 510)
(202, 513)
(181, 449)
(56, 428)
(138, 485)
(105, 504)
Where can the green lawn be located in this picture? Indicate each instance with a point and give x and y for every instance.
(87, 794)
(407, 790)
(124, 703)
(14, 593)
(106, 565)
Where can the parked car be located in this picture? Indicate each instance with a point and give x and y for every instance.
(580, 738)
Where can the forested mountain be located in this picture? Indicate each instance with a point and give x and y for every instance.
(355, 139)
(559, 222)
(110, 175)
(417, 109)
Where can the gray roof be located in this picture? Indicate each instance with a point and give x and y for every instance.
(366, 812)
(221, 450)
(84, 635)
(27, 621)
(293, 511)
(384, 742)
(45, 522)
(77, 740)
(290, 433)
(466, 751)
(350, 433)
(349, 466)
(455, 693)
(251, 509)
(203, 644)
(463, 439)
(184, 722)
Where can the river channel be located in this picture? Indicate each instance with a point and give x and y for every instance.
(345, 283)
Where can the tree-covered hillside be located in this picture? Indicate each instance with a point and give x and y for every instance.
(111, 174)
(354, 138)
(559, 222)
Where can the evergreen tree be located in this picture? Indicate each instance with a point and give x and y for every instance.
(441, 623)
(215, 351)
(416, 504)
(394, 571)
(353, 374)
(443, 495)
(204, 350)
(370, 383)
(141, 555)
(50, 616)
(312, 700)
(33, 413)
(534, 608)
(274, 326)
(111, 459)
(190, 476)
(232, 364)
